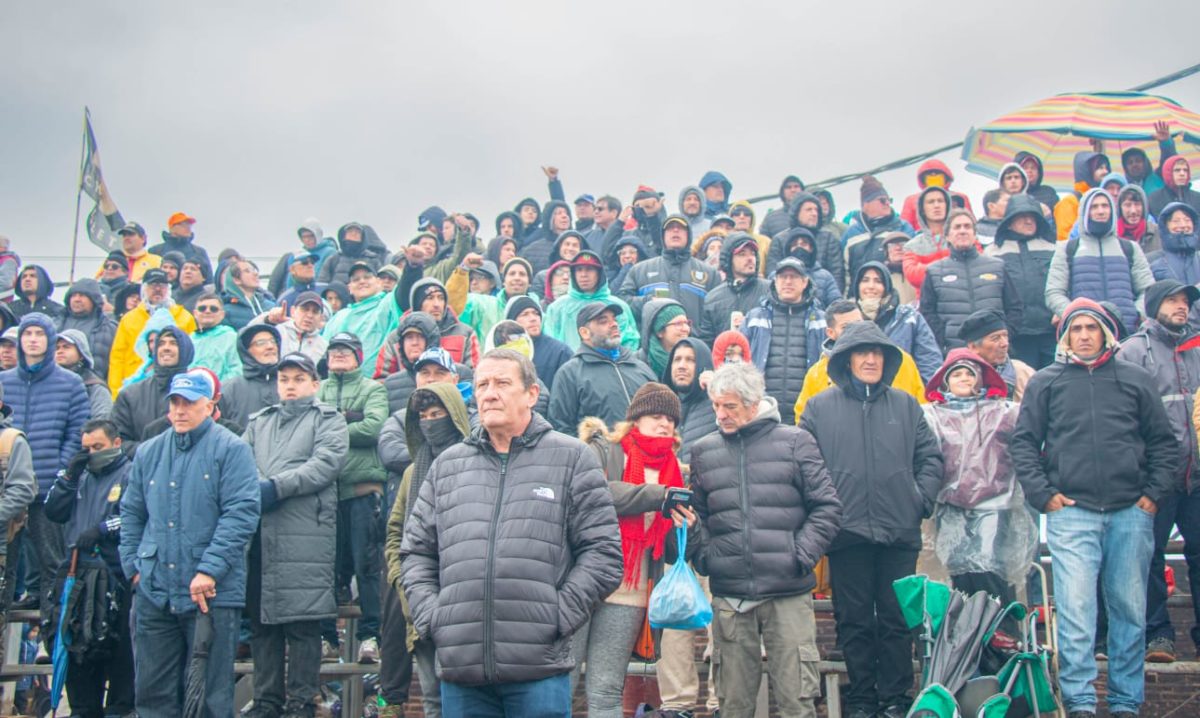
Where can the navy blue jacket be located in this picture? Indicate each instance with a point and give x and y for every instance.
(191, 506)
(94, 501)
(49, 403)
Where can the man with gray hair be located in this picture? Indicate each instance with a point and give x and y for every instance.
(761, 533)
(9, 264)
(888, 470)
(498, 599)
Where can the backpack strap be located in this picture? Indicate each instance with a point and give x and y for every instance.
(8, 437)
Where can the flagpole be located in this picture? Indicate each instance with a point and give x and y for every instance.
(79, 195)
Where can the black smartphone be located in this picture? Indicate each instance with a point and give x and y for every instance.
(676, 497)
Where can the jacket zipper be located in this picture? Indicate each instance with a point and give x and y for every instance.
(745, 495)
(869, 441)
(489, 647)
(1103, 505)
(621, 379)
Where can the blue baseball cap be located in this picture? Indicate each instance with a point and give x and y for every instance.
(436, 355)
(585, 198)
(192, 385)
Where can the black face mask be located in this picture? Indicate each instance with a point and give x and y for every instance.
(440, 432)
(100, 460)
(1098, 229)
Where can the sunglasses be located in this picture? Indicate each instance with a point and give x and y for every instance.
(112, 265)
(208, 308)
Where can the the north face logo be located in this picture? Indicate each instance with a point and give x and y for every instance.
(544, 492)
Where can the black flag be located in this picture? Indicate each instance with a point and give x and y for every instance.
(104, 220)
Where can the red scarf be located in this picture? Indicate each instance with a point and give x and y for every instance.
(1132, 232)
(656, 453)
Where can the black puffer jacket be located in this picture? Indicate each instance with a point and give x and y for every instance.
(591, 384)
(255, 389)
(501, 566)
(401, 383)
(1027, 260)
(100, 328)
(698, 419)
(767, 508)
(729, 297)
(140, 404)
(372, 250)
(961, 284)
(882, 455)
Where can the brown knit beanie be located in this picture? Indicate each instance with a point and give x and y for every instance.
(871, 189)
(654, 398)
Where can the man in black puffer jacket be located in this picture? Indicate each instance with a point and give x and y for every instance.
(512, 541)
(887, 468)
(675, 274)
(1025, 242)
(742, 291)
(140, 404)
(965, 282)
(768, 511)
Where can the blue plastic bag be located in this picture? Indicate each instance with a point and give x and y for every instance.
(678, 602)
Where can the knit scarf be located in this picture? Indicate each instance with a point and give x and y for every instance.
(655, 452)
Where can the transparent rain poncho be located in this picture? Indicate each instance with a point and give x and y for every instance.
(982, 524)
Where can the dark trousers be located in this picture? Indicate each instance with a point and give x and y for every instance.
(164, 645)
(1036, 350)
(871, 630)
(547, 698)
(1180, 510)
(395, 663)
(990, 583)
(87, 681)
(46, 538)
(360, 556)
(298, 644)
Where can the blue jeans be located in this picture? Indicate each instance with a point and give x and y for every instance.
(1114, 549)
(1182, 510)
(547, 698)
(164, 642)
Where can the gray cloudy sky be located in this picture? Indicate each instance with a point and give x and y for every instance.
(253, 116)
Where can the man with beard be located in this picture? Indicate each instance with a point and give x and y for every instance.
(602, 377)
(124, 360)
(742, 291)
(142, 403)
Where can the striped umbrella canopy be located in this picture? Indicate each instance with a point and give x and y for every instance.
(1056, 128)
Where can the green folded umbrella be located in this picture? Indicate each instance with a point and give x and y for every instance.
(919, 596)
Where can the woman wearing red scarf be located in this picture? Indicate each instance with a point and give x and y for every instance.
(639, 459)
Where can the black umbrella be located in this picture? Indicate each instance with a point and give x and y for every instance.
(966, 628)
(193, 696)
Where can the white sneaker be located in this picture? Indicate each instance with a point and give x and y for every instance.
(368, 651)
(330, 653)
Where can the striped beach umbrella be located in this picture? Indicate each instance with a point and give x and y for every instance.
(1056, 128)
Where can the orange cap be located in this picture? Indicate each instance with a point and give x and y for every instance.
(180, 217)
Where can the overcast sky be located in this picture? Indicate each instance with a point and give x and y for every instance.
(254, 116)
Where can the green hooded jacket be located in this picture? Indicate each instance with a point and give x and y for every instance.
(355, 393)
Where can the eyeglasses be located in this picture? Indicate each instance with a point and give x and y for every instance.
(208, 308)
(341, 352)
(680, 323)
(260, 343)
